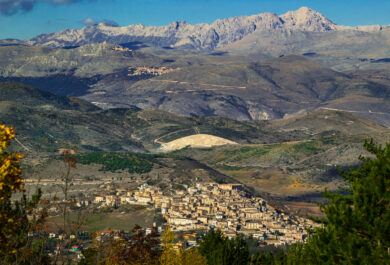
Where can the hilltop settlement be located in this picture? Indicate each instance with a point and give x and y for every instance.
(226, 207)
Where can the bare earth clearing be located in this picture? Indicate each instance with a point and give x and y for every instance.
(195, 141)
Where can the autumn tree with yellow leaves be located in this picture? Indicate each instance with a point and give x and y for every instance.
(18, 218)
(10, 172)
(171, 256)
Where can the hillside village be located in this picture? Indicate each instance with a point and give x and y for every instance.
(226, 207)
(121, 49)
(154, 71)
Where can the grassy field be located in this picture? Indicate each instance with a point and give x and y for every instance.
(114, 220)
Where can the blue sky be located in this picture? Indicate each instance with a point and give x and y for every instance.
(24, 19)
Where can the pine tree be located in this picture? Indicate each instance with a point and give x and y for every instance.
(356, 229)
(212, 247)
(239, 251)
(219, 250)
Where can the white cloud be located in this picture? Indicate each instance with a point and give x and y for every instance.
(88, 21)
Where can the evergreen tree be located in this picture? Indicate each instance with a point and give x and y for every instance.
(212, 247)
(219, 250)
(269, 258)
(356, 229)
(239, 251)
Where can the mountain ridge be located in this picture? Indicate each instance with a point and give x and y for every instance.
(196, 36)
(47, 122)
(265, 89)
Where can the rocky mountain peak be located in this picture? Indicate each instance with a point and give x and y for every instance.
(218, 34)
(307, 19)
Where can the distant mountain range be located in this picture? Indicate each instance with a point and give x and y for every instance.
(204, 36)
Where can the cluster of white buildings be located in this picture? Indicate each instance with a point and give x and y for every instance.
(226, 207)
(145, 195)
(149, 71)
(121, 49)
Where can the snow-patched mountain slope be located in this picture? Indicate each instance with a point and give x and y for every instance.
(182, 34)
